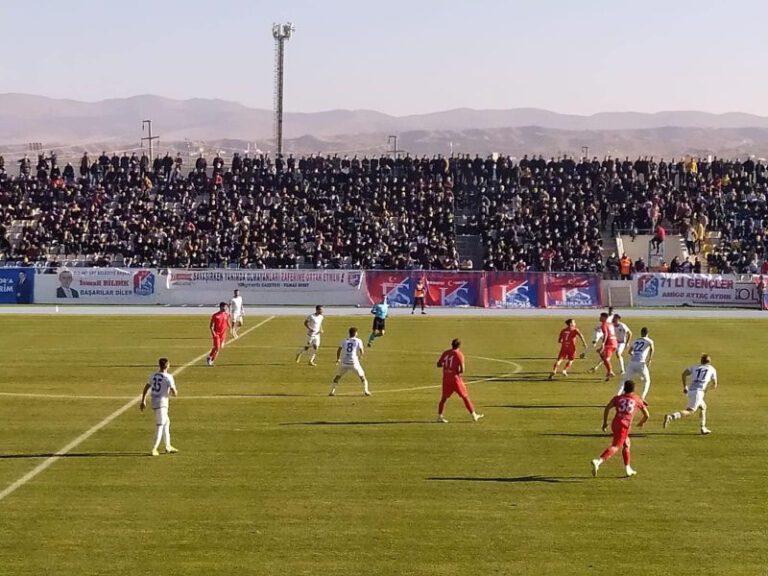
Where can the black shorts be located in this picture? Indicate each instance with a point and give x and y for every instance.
(418, 301)
(379, 324)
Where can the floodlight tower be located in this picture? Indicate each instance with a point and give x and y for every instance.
(281, 33)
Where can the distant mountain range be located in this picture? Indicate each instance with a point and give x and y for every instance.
(116, 123)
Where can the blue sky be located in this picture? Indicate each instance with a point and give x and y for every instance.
(396, 56)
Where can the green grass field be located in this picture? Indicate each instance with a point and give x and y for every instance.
(274, 477)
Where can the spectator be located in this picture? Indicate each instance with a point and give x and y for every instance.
(625, 267)
(660, 234)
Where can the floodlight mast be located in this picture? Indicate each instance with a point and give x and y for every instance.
(281, 33)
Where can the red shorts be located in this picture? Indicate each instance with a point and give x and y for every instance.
(620, 433)
(453, 384)
(567, 353)
(609, 350)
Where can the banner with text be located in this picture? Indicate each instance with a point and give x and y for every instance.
(276, 287)
(96, 286)
(442, 288)
(17, 285)
(662, 289)
(512, 289)
(571, 290)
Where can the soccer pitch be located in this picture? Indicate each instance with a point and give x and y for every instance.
(275, 477)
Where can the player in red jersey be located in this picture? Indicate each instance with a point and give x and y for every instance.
(452, 363)
(567, 341)
(609, 345)
(220, 323)
(626, 405)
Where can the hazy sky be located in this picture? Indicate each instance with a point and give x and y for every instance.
(397, 56)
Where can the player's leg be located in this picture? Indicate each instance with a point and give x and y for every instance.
(620, 356)
(303, 349)
(363, 380)
(694, 402)
(415, 303)
(625, 453)
(340, 371)
(159, 426)
(422, 305)
(314, 344)
(607, 363)
(167, 433)
(646, 378)
(619, 437)
(217, 343)
(555, 366)
(461, 390)
(703, 416)
(447, 392)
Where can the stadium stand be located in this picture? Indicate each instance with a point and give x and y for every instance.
(382, 212)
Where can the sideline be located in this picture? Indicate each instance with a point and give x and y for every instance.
(48, 462)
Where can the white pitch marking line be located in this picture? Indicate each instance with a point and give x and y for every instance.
(91, 431)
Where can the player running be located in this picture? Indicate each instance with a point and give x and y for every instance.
(237, 311)
(452, 363)
(626, 405)
(623, 337)
(162, 385)
(701, 375)
(348, 359)
(609, 344)
(219, 324)
(640, 356)
(380, 312)
(419, 295)
(567, 340)
(314, 325)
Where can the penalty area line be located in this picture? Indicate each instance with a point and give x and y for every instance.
(48, 462)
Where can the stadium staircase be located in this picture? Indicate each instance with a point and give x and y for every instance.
(674, 245)
(470, 247)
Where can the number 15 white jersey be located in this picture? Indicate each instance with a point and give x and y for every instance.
(350, 349)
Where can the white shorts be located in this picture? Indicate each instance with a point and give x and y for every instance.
(638, 369)
(344, 368)
(695, 400)
(161, 415)
(313, 341)
(237, 318)
(620, 348)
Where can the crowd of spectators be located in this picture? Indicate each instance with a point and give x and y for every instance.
(380, 212)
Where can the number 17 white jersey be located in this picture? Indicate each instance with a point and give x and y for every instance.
(350, 349)
(701, 376)
(641, 347)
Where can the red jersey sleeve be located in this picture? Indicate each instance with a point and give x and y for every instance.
(441, 361)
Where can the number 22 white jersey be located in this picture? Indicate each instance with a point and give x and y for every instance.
(350, 348)
(160, 386)
(641, 347)
(701, 376)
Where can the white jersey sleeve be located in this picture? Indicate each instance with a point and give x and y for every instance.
(314, 323)
(622, 331)
(701, 376)
(640, 350)
(597, 335)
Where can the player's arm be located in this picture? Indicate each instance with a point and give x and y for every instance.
(210, 327)
(143, 403)
(714, 382)
(441, 360)
(645, 417)
(627, 339)
(607, 411)
(460, 369)
(338, 354)
(306, 323)
(583, 341)
(650, 354)
(686, 373)
(173, 389)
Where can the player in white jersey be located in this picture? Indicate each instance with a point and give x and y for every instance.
(161, 385)
(701, 375)
(314, 325)
(237, 312)
(348, 358)
(623, 338)
(640, 356)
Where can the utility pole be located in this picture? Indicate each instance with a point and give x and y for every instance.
(149, 138)
(281, 33)
(392, 140)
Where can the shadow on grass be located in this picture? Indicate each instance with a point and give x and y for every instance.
(546, 406)
(76, 455)
(358, 423)
(511, 479)
(264, 395)
(608, 434)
